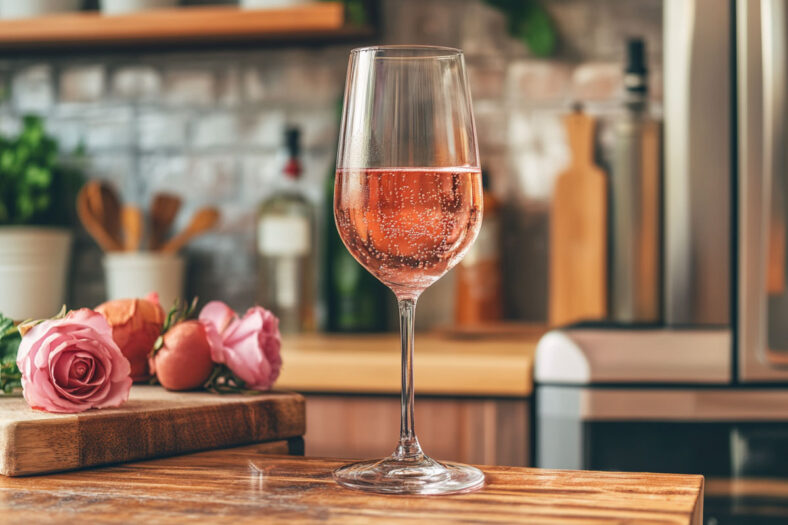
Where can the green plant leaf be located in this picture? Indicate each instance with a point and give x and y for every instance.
(10, 376)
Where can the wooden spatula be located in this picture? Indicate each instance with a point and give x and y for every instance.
(162, 215)
(578, 232)
(203, 220)
(104, 204)
(131, 218)
(94, 226)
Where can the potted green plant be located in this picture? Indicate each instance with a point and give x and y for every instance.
(37, 199)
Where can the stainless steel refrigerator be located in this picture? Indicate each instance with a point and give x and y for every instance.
(707, 390)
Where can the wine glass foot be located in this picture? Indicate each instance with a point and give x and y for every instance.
(422, 475)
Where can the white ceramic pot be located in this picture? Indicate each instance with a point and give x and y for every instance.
(10, 9)
(33, 270)
(122, 7)
(136, 274)
(272, 4)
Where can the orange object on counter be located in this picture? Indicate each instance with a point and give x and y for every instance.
(479, 288)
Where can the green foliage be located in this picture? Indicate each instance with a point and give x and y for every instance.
(35, 188)
(10, 377)
(529, 22)
(355, 11)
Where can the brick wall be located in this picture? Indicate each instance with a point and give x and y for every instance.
(208, 125)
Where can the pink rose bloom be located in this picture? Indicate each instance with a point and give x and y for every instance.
(72, 364)
(249, 345)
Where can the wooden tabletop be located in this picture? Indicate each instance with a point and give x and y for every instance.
(243, 485)
(444, 365)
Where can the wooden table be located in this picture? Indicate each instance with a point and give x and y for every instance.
(244, 485)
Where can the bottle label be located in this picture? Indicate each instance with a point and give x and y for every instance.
(283, 236)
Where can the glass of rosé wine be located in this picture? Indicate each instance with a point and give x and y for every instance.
(408, 205)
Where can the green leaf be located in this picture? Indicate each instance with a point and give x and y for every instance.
(10, 376)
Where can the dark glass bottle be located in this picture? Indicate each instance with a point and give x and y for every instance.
(354, 301)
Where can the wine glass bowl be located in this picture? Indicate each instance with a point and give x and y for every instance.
(408, 226)
(408, 205)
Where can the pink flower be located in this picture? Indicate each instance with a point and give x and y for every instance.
(72, 364)
(249, 346)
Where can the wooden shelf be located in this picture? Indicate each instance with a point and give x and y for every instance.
(179, 27)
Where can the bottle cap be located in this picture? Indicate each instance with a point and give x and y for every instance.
(293, 141)
(636, 57)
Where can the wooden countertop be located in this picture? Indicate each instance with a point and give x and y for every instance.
(444, 364)
(244, 486)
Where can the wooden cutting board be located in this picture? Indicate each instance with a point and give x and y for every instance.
(153, 423)
(578, 232)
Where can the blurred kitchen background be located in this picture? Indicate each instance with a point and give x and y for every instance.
(208, 125)
(624, 306)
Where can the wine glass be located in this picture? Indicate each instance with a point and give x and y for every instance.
(408, 205)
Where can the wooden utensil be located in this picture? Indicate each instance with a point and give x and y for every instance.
(105, 206)
(203, 220)
(578, 232)
(162, 215)
(131, 218)
(86, 210)
(153, 423)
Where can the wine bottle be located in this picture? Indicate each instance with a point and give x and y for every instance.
(354, 300)
(479, 296)
(285, 246)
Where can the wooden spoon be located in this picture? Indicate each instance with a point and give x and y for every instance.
(92, 224)
(131, 217)
(162, 214)
(203, 219)
(104, 204)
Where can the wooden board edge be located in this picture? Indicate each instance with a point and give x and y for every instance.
(77, 444)
(60, 440)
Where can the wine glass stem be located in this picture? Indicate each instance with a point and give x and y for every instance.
(408, 447)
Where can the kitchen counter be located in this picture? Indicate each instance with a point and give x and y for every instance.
(448, 365)
(244, 485)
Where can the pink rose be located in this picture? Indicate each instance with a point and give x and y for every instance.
(249, 346)
(72, 364)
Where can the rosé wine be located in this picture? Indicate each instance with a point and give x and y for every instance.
(408, 226)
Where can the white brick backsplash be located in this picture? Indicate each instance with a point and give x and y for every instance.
(215, 130)
(82, 83)
(110, 128)
(532, 82)
(70, 133)
(190, 87)
(263, 129)
(258, 176)
(484, 31)
(33, 91)
(487, 77)
(229, 86)
(162, 130)
(9, 125)
(490, 124)
(319, 127)
(300, 80)
(199, 179)
(435, 22)
(597, 81)
(136, 83)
